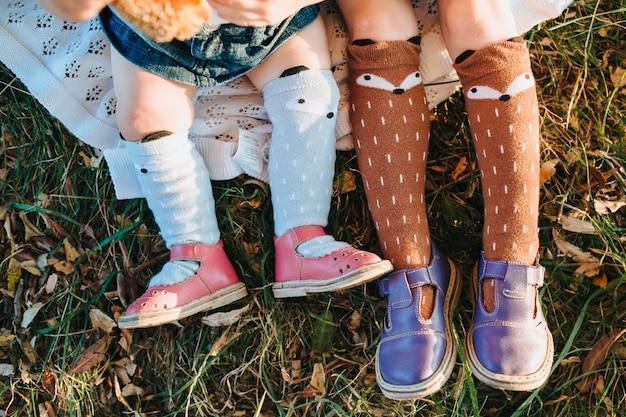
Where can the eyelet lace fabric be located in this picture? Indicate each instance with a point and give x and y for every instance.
(67, 68)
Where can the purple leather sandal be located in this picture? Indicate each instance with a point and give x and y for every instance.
(511, 346)
(416, 356)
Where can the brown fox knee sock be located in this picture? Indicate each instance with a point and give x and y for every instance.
(390, 122)
(501, 104)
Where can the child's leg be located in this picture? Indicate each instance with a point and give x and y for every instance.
(509, 345)
(301, 98)
(154, 115)
(391, 130)
(391, 125)
(502, 109)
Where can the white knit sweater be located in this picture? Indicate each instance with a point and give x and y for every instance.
(67, 69)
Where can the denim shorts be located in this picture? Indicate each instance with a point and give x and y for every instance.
(216, 55)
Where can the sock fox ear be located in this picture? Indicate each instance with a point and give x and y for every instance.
(363, 42)
(293, 71)
(463, 56)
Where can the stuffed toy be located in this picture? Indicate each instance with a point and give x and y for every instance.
(165, 20)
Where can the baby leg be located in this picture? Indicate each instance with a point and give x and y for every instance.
(301, 98)
(154, 115)
(391, 130)
(509, 345)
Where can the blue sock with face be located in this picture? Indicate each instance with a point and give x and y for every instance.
(302, 107)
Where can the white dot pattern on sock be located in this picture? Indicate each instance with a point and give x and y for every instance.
(389, 166)
(302, 149)
(513, 171)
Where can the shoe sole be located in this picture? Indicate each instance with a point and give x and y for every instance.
(500, 381)
(442, 374)
(300, 288)
(212, 301)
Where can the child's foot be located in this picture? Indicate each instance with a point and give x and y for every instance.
(509, 345)
(345, 267)
(416, 354)
(215, 284)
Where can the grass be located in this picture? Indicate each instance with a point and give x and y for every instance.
(310, 357)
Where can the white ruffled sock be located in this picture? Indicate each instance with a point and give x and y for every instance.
(177, 187)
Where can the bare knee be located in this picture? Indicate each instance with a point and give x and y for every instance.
(148, 103)
(473, 24)
(379, 21)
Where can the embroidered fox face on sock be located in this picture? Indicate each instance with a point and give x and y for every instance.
(502, 109)
(374, 81)
(302, 108)
(484, 92)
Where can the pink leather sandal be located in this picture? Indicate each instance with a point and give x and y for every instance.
(297, 275)
(214, 285)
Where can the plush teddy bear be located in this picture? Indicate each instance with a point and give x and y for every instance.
(165, 20)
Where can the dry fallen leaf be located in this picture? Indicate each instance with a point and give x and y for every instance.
(618, 77)
(355, 320)
(225, 318)
(358, 337)
(45, 409)
(30, 229)
(51, 283)
(296, 369)
(29, 315)
(118, 393)
(600, 280)
(577, 225)
(547, 170)
(49, 382)
(597, 180)
(31, 266)
(90, 357)
(223, 340)
(126, 288)
(589, 265)
(132, 390)
(347, 181)
(86, 158)
(64, 267)
(29, 351)
(71, 253)
(597, 356)
(6, 339)
(608, 206)
(99, 320)
(318, 379)
(125, 368)
(6, 369)
(460, 168)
